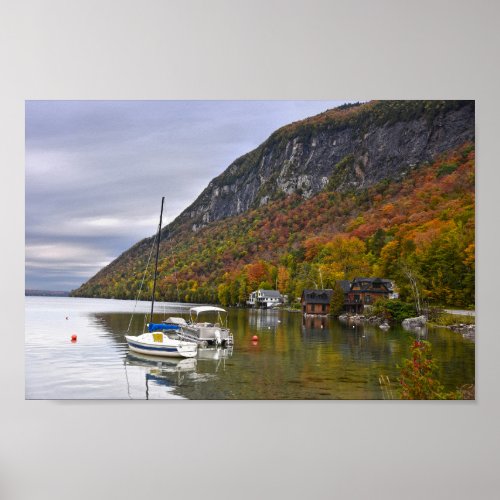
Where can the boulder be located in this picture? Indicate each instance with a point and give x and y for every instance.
(417, 322)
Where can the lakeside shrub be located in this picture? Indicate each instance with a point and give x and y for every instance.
(418, 377)
(393, 310)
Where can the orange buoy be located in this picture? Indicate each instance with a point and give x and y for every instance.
(255, 338)
(73, 338)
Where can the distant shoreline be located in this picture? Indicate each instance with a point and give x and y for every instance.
(45, 293)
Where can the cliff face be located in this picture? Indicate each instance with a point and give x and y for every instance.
(348, 149)
(340, 152)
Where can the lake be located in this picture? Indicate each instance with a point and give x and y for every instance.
(295, 357)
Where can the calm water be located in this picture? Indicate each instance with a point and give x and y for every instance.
(294, 358)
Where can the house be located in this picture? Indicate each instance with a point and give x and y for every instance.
(366, 291)
(265, 298)
(316, 301)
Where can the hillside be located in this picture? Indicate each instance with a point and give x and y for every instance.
(366, 189)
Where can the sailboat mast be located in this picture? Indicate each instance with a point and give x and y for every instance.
(156, 261)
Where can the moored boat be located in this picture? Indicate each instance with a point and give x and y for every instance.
(206, 332)
(161, 344)
(161, 339)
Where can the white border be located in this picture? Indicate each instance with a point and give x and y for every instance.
(274, 49)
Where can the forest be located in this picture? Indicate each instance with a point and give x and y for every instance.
(422, 226)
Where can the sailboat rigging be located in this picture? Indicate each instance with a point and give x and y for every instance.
(160, 339)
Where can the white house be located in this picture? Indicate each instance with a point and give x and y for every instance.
(265, 298)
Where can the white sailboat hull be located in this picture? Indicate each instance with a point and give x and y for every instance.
(149, 344)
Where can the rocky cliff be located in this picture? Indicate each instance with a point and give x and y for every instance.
(334, 175)
(348, 148)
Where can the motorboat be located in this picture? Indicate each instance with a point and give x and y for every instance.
(199, 329)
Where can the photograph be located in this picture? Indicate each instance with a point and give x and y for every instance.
(250, 250)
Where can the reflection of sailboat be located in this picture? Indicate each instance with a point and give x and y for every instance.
(165, 364)
(157, 341)
(167, 372)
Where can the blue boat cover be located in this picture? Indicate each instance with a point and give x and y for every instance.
(159, 327)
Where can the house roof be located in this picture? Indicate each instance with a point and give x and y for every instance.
(370, 281)
(317, 296)
(270, 293)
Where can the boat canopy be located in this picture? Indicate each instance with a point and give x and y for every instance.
(201, 309)
(158, 327)
(175, 321)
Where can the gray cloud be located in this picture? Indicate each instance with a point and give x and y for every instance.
(96, 171)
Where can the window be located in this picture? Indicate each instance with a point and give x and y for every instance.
(368, 299)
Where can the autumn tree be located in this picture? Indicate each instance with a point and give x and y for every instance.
(346, 254)
(337, 300)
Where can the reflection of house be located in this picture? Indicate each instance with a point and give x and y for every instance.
(366, 291)
(316, 301)
(265, 298)
(263, 319)
(315, 322)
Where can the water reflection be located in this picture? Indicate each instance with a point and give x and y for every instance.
(298, 357)
(159, 372)
(263, 319)
(294, 357)
(315, 324)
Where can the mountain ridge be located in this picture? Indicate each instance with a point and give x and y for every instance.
(383, 138)
(356, 153)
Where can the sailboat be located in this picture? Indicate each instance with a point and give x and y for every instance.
(161, 339)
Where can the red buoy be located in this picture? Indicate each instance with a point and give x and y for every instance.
(255, 338)
(73, 338)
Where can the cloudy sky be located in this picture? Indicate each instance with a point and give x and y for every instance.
(96, 172)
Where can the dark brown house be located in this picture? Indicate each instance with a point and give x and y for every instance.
(366, 291)
(316, 301)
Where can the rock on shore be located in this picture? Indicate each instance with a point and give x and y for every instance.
(360, 318)
(418, 322)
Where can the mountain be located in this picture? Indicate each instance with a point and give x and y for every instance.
(359, 145)
(28, 292)
(275, 215)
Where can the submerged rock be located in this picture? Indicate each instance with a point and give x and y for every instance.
(467, 331)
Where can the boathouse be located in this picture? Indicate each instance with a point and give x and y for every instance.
(316, 301)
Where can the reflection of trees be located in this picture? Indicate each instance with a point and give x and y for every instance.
(297, 359)
(454, 356)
